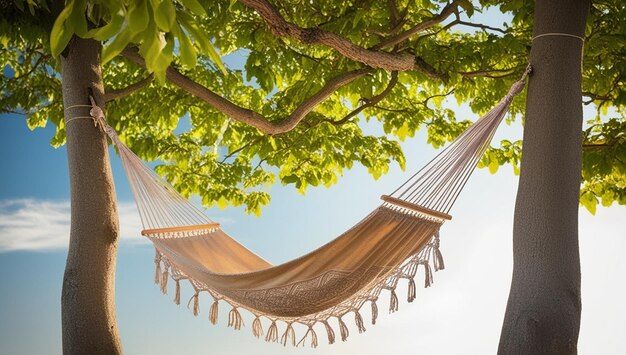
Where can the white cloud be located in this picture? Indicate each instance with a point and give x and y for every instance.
(42, 225)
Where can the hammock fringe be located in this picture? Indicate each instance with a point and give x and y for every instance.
(272, 332)
(330, 332)
(164, 278)
(393, 301)
(213, 312)
(313, 337)
(196, 303)
(429, 253)
(438, 261)
(428, 275)
(157, 272)
(234, 318)
(359, 321)
(411, 292)
(257, 327)
(289, 333)
(374, 311)
(343, 329)
(177, 293)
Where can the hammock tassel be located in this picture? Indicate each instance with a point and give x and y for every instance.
(438, 258)
(438, 262)
(164, 278)
(289, 333)
(313, 336)
(272, 332)
(428, 277)
(393, 301)
(234, 319)
(213, 312)
(359, 321)
(157, 272)
(196, 303)
(374, 311)
(412, 291)
(343, 330)
(257, 327)
(330, 332)
(177, 293)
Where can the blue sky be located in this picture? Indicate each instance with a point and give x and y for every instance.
(466, 302)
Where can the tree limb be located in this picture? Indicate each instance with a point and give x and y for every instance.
(597, 145)
(444, 14)
(371, 102)
(41, 60)
(489, 73)
(245, 115)
(371, 57)
(115, 94)
(480, 25)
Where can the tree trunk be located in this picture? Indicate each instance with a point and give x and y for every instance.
(544, 306)
(88, 296)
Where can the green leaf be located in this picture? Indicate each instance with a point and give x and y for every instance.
(608, 197)
(215, 57)
(493, 166)
(222, 202)
(201, 39)
(114, 48)
(110, 29)
(60, 35)
(188, 55)
(164, 58)
(138, 17)
(194, 6)
(589, 201)
(494, 162)
(165, 15)
(403, 132)
(467, 6)
(78, 18)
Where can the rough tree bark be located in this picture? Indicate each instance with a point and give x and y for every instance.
(544, 306)
(88, 297)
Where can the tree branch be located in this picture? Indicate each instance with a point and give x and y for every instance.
(115, 94)
(480, 25)
(371, 102)
(489, 73)
(371, 57)
(425, 101)
(41, 60)
(231, 154)
(597, 145)
(444, 14)
(245, 115)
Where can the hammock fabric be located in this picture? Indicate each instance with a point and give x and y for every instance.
(329, 283)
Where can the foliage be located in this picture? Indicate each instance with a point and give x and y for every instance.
(155, 26)
(204, 152)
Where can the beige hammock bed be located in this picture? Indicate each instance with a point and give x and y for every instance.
(327, 284)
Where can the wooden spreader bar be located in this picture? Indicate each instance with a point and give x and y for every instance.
(414, 207)
(180, 229)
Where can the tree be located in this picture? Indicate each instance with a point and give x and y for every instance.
(312, 73)
(543, 311)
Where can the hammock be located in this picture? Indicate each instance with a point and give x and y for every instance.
(327, 284)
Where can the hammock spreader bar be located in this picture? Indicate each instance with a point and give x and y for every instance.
(316, 291)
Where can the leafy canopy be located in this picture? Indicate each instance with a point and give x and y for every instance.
(203, 151)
